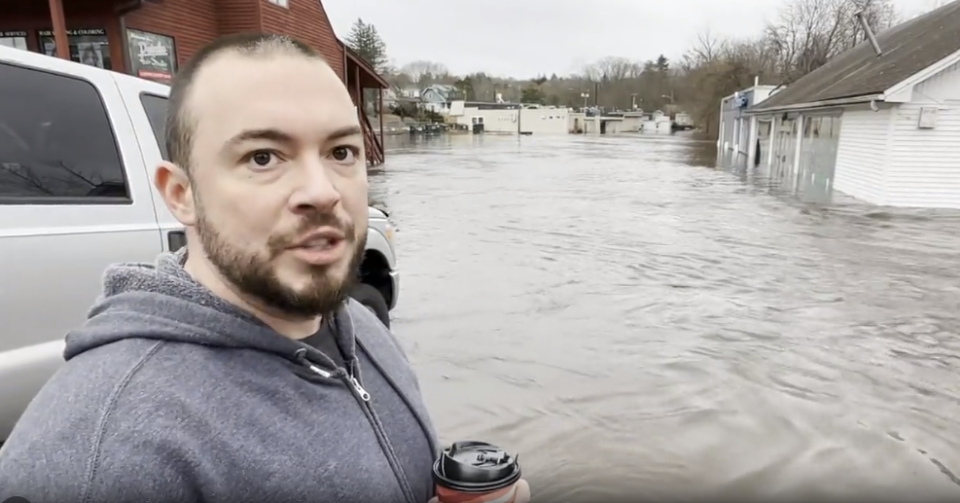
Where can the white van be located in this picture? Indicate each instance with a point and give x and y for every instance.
(78, 146)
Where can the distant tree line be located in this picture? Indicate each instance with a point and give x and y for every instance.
(804, 36)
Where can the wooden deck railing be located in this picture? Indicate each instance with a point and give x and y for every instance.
(372, 142)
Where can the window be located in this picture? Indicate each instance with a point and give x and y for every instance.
(281, 3)
(87, 46)
(56, 142)
(156, 108)
(14, 39)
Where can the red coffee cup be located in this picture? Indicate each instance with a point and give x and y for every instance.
(476, 472)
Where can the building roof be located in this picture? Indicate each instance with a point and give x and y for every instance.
(370, 72)
(907, 49)
(443, 90)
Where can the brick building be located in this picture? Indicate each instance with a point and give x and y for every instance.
(151, 38)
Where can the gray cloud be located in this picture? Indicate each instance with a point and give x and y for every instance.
(523, 38)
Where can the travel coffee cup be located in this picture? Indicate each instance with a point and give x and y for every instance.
(476, 472)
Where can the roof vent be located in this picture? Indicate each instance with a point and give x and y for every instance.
(869, 31)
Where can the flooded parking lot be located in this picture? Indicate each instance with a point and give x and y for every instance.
(637, 323)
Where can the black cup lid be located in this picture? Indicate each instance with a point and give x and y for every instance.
(478, 467)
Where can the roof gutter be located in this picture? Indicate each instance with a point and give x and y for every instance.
(854, 100)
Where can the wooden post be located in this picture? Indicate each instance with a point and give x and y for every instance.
(59, 28)
(356, 76)
(380, 106)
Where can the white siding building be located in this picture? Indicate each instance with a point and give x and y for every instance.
(738, 130)
(884, 129)
(510, 118)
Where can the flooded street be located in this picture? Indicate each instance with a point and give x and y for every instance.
(640, 325)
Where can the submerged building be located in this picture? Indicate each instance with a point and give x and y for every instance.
(881, 124)
(738, 130)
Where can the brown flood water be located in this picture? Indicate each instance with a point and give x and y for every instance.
(639, 324)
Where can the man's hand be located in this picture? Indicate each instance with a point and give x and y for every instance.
(522, 496)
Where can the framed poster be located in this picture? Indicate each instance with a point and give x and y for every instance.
(88, 46)
(152, 56)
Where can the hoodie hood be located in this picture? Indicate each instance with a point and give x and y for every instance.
(162, 301)
(172, 394)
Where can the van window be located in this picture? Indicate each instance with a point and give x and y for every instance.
(56, 142)
(156, 108)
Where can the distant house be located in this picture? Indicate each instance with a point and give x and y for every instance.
(394, 96)
(436, 98)
(882, 128)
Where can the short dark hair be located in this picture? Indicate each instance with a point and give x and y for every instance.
(180, 124)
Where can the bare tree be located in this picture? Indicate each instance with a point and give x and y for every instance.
(804, 36)
(707, 48)
(616, 68)
(808, 33)
(423, 73)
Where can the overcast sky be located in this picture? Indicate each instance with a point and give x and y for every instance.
(523, 38)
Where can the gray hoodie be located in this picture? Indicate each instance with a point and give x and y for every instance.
(171, 394)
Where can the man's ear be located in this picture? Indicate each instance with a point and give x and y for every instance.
(175, 188)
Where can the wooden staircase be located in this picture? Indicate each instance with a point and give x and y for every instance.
(373, 144)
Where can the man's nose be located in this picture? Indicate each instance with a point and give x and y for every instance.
(316, 191)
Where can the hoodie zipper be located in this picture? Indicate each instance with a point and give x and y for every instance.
(363, 398)
(348, 378)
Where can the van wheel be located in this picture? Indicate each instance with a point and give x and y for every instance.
(372, 299)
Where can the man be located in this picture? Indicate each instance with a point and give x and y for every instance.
(237, 370)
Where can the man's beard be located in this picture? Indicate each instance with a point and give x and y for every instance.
(253, 274)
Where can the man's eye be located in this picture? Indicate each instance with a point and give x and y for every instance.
(344, 154)
(262, 157)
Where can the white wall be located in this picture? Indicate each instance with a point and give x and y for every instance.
(761, 93)
(494, 121)
(924, 164)
(862, 154)
(885, 158)
(545, 120)
(586, 124)
(655, 126)
(631, 123)
(437, 107)
(614, 126)
(532, 120)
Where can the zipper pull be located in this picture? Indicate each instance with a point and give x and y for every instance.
(301, 356)
(359, 387)
(319, 371)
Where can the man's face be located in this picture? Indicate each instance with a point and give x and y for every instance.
(279, 179)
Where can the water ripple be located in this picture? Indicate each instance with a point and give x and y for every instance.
(638, 325)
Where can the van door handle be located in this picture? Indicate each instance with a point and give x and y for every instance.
(176, 240)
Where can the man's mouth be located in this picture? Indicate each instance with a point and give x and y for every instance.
(326, 236)
(325, 243)
(322, 247)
